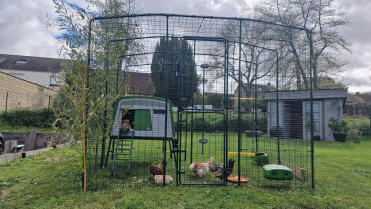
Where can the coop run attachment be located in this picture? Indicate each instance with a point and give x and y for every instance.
(204, 99)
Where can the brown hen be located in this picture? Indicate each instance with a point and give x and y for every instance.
(156, 169)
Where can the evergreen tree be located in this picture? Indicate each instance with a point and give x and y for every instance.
(177, 52)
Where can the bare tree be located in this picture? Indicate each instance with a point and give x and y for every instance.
(323, 19)
(256, 61)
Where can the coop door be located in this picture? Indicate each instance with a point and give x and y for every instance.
(142, 120)
(201, 122)
(139, 120)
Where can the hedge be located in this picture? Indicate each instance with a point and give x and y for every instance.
(217, 123)
(43, 118)
(365, 129)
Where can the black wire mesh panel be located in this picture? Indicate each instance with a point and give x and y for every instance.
(227, 79)
(201, 126)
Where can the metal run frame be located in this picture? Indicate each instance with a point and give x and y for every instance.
(240, 42)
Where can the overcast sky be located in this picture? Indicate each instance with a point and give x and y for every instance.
(23, 30)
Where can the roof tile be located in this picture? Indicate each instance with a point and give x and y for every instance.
(41, 64)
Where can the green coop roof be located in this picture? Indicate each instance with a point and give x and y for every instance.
(116, 102)
(275, 167)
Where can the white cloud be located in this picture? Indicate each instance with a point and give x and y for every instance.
(23, 30)
(358, 72)
(231, 8)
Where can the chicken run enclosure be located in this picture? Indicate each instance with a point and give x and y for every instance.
(215, 113)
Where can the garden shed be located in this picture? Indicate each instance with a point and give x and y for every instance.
(294, 112)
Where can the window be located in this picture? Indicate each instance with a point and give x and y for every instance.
(316, 119)
(273, 113)
(159, 112)
(54, 81)
(22, 61)
(316, 107)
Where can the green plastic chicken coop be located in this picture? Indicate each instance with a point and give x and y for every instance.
(145, 119)
(146, 115)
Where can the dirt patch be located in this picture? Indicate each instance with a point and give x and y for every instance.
(54, 159)
(3, 193)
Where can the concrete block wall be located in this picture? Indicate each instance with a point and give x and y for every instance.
(16, 93)
(33, 140)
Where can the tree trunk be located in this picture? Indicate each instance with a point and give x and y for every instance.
(298, 78)
(299, 66)
(315, 74)
(244, 104)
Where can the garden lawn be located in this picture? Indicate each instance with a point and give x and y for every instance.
(357, 120)
(343, 180)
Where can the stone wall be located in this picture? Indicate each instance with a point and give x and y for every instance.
(33, 140)
(16, 93)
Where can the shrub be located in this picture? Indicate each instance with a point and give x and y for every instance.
(43, 118)
(365, 130)
(247, 123)
(353, 132)
(338, 127)
(217, 124)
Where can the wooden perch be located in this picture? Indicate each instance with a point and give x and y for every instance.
(298, 172)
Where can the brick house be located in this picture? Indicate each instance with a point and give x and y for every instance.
(358, 104)
(140, 84)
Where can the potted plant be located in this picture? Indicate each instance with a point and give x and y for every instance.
(339, 129)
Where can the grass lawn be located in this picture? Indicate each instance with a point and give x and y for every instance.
(357, 120)
(343, 179)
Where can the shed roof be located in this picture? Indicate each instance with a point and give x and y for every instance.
(305, 94)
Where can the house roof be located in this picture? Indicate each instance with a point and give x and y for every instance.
(365, 96)
(29, 63)
(354, 99)
(140, 83)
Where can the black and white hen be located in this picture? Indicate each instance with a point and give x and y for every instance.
(218, 169)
